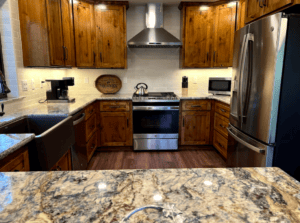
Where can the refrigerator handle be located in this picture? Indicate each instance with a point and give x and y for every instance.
(249, 37)
(248, 145)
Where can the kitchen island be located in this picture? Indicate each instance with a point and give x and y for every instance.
(181, 195)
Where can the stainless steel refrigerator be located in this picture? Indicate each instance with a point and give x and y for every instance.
(265, 100)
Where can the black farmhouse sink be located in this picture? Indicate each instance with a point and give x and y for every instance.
(54, 135)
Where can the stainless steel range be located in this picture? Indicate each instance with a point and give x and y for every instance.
(155, 121)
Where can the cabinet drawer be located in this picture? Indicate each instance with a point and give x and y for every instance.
(196, 105)
(220, 143)
(19, 163)
(91, 146)
(221, 124)
(90, 127)
(222, 109)
(64, 164)
(89, 111)
(117, 106)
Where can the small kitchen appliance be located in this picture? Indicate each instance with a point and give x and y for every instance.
(59, 90)
(155, 121)
(142, 91)
(219, 85)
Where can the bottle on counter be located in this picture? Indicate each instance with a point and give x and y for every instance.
(185, 85)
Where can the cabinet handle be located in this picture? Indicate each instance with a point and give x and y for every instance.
(93, 126)
(196, 106)
(64, 52)
(207, 56)
(114, 106)
(260, 4)
(221, 145)
(101, 57)
(215, 56)
(222, 126)
(94, 58)
(222, 110)
(16, 170)
(127, 122)
(91, 111)
(92, 147)
(183, 122)
(58, 168)
(67, 53)
(264, 2)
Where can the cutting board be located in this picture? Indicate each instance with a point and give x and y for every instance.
(108, 84)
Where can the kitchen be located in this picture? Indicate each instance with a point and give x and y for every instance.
(162, 69)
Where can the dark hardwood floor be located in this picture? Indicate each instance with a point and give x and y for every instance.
(125, 158)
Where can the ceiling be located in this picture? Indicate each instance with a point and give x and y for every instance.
(167, 2)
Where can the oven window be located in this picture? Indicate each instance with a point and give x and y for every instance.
(151, 122)
(220, 85)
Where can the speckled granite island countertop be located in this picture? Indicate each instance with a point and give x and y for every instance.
(174, 195)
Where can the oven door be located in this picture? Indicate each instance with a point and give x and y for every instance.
(155, 127)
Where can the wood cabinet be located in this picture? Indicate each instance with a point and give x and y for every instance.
(64, 164)
(17, 161)
(256, 9)
(224, 35)
(116, 127)
(100, 34)
(241, 11)
(84, 27)
(46, 32)
(207, 34)
(111, 36)
(195, 118)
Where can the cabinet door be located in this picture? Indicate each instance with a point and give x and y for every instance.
(273, 5)
(195, 128)
(198, 37)
(241, 14)
(254, 9)
(111, 36)
(224, 35)
(116, 129)
(64, 164)
(55, 32)
(68, 32)
(84, 27)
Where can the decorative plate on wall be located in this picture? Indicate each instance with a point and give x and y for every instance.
(108, 84)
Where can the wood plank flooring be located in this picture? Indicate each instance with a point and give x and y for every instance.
(125, 158)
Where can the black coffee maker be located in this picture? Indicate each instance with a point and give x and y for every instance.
(59, 90)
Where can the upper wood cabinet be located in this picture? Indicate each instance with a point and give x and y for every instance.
(207, 34)
(225, 21)
(44, 24)
(84, 26)
(111, 36)
(241, 13)
(100, 34)
(258, 8)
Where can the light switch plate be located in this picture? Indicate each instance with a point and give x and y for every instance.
(32, 84)
(24, 85)
(86, 80)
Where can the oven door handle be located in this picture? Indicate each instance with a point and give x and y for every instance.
(155, 108)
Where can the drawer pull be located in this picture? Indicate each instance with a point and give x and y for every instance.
(93, 146)
(222, 110)
(91, 111)
(115, 106)
(93, 126)
(221, 145)
(222, 126)
(196, 106)
(58, 168)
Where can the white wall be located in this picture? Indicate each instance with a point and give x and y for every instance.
(159, 68)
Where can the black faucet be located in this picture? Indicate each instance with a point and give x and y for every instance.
(2, 107)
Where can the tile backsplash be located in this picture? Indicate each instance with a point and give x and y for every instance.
(159, 68)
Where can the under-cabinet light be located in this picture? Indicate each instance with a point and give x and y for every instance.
(204, 8)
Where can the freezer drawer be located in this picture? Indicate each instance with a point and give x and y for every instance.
(248, 152)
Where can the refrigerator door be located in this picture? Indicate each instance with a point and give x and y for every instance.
(248, 152)
(260, 79)
(239, 46)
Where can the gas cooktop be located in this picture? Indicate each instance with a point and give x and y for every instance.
(156, 97)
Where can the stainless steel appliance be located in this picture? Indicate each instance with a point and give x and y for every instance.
(142, 91)
(155, 121)
(59, 90)
(265, 99)
(219, 85)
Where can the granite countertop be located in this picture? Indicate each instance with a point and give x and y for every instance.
(181, 195)
(70, 109)
(9, 143)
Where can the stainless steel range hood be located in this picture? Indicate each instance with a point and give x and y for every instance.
(154, 36)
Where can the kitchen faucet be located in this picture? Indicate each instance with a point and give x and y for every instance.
(2, 107)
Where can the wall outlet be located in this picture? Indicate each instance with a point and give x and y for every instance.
(195, 79)
(32, 84)
(125, 80)
(86, 80)
(24, 85)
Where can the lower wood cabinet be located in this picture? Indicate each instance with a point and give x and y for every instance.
(64, 164)
(116, 128)
(220, 143)
(195, 128)
(17, 161)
